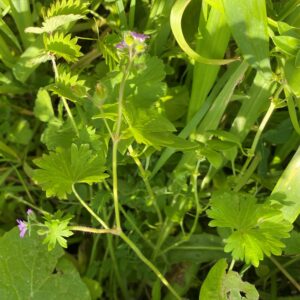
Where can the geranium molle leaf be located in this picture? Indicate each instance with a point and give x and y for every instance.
(59, 170)
(257, 229)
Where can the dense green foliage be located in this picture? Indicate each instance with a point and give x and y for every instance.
(168, 130)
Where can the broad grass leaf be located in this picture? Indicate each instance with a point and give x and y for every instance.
(288, 186)
(59, 170)
(249, 26)
(8, 32)
(29, 271)
(287, 44)
(292, 75)
(213, 283)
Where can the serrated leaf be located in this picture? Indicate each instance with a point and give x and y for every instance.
(60, 170)
(53, 23)
(107, 46)
(150, 128)
(59, 134)
(257, 228)
(69, 86)
(29, 271)
(146, 86)
(63, 46)
(66, 7)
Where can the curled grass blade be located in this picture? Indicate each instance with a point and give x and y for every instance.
(175, 21)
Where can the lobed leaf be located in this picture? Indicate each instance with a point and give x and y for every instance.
(52, 24)
(257, 228)
(66, 7)
(63, 46)
(60, 170)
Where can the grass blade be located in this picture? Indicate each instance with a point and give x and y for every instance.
(288, 187)
(175, 21)
(213, 44)
(20, 11)
(249, 25)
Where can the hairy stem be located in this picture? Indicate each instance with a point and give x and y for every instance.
(65, 103)
(285, 273)
(146, 181)
(116, 138)
(89, 209)
(94, 230)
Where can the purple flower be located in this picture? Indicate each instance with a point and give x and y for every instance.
(121, 45)
(139, 36)
(29, 211)
(22, 227)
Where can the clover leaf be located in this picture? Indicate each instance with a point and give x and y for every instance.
(59, 170)
(257, 229)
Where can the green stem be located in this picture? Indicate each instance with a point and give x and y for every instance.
(243, 179)
(146, 181)
(285, 273)
(231, 265)
(88, 208)
(258, 135)
(120, 280)
(131, 222)
(149, 264)
(196, 197)
(21, 200)
(65, 103)
(164, 232)
(23, 184)
(116, 138)
(94, 230)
